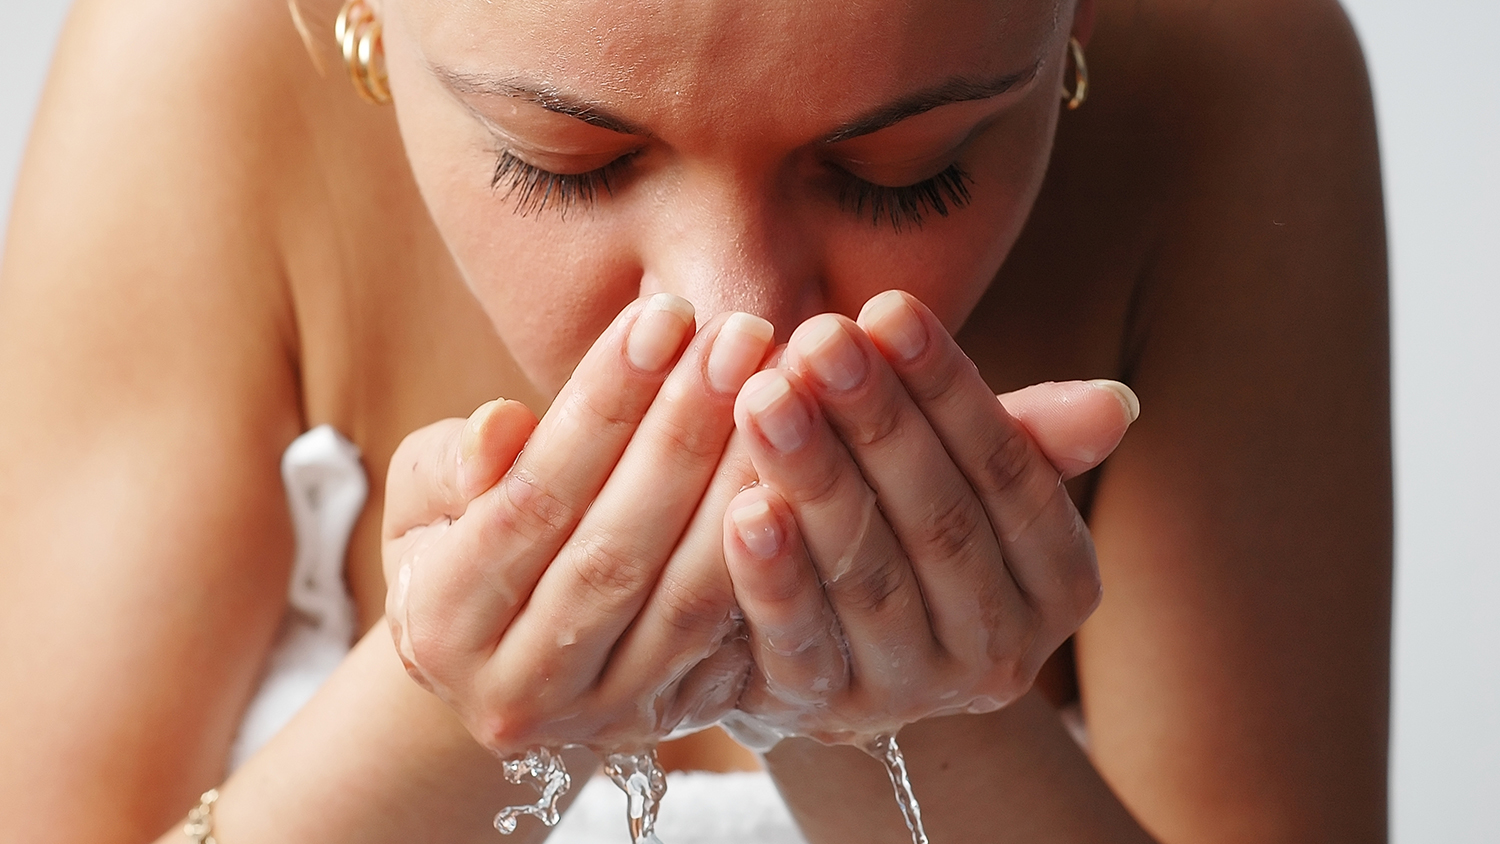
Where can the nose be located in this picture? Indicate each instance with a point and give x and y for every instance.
(727, 246)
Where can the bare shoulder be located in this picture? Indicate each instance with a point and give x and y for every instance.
(142, 264)
(1238, 88)
(1261, 51)
(159, 150)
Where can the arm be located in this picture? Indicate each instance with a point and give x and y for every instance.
(145, 540)
(1237, 686)
(148, 359)
(1234, 678)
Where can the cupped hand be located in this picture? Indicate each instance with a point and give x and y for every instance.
(911, 549)
(546, 579)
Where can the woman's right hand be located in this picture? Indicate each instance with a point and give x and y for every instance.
(525, 559)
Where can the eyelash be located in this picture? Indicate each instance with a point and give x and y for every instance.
(536, 189)
(907, 205)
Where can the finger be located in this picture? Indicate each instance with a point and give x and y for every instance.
(615, 573)
(711, 689)
(1044, 541)
(794, 633)
(491, 441)
(437, 470)
(433, 475)
(935, 514)
(691, 606)
(1076, 424)
(613, 563)
(864, 569)
(493, 556)
(400, 555)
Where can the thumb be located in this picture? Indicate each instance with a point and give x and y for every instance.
(439, 469)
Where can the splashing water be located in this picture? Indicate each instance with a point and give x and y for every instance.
(544, 771)
(884, 748)
(640, 776)
(644, 782)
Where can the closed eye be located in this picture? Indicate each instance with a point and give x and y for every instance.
(902, 207)
(535, 189)
(906, 206)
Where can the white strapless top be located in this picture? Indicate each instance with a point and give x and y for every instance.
(326, 489)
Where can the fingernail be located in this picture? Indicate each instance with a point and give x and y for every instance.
(737, 351)
(777, 413)
(832, 355)
(658, 332)
(1126, 396)
(758, 530)
(894, 322)
(471, 438)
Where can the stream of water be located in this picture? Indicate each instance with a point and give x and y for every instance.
(640, 776)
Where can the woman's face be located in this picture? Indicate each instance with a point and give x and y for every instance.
(781, 157)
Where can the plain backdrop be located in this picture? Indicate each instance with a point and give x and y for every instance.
(1433, 67)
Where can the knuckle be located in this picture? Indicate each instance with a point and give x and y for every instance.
(1010, 676)
(414, 449)
(784, 594)
(819, 486)
(1013, 632)
(868, 589)
(415, 474)
(508, 723)
(1003, 470)
(533, 511)
(608, 571)
(883, 425)
(611, 411)
(693, 608)
(1013, 677)
(1070, 588)
(953, 531)
(688, 444)
(945, 380)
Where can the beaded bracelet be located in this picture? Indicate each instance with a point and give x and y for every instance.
(200, 821)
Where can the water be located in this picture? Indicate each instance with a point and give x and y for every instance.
(543, 770)
(884, 748)
(640, 776)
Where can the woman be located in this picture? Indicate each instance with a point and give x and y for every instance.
(231, 247)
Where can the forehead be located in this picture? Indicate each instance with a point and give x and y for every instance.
(725, 60)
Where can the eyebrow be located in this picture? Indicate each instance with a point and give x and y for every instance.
(546, 96)
(956, 90)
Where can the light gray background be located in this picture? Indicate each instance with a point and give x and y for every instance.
(1433, 64)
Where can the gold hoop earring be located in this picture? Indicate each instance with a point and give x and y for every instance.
(1080, 90)
(358, 32)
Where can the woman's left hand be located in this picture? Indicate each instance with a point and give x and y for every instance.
(911, 549)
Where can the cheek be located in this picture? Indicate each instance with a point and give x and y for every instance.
(548, 283)
(549, 288)
(950, 261)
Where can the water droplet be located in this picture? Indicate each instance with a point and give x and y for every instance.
(640, 776)
(543, 770)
